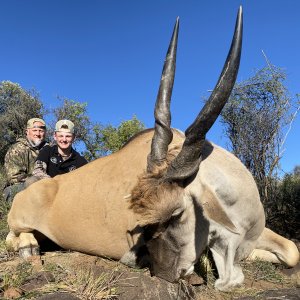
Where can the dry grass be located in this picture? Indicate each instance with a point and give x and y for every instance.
(205, 269)
(259, 276)
(22, 272)
(81, 282)
(87, 278)
(87, 286)
(264, 271)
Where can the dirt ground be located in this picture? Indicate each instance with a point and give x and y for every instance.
(72, 275)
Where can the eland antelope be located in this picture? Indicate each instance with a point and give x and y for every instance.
(164, 193)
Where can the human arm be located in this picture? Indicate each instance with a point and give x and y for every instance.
(41, 164)
(16, 164)
(40, 170)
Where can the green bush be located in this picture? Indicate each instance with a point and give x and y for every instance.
(284, 211)
(4, 207)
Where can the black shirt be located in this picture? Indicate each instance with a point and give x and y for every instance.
(55, 163)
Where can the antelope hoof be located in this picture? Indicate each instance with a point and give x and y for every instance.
(224, 286)
(28, 252)
(35, 250)
(25, 252)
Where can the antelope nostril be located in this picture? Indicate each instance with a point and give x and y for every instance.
(151, 270)
(182, 273)
(186, 272)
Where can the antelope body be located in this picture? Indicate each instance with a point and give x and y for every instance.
(175, 194)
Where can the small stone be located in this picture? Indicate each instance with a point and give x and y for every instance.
(12, 293)
(36, 262)
(194, 279)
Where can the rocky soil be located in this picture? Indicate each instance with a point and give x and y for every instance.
(72, 275)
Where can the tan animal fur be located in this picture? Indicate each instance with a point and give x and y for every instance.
(85, 210)
(172, 194)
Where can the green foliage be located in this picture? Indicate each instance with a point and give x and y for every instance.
(2, 177)
(115, 137)
(296, 171)
(4, 208)
(204, 267)
(103, 140)
(263, 270)
(284, 215)
(17, 105)
(77, 113)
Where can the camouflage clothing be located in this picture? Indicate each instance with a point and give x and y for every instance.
(10, 191)
(19, 161)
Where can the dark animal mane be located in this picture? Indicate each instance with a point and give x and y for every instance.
(152, 195)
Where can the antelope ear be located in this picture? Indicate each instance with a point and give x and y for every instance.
(213, 210)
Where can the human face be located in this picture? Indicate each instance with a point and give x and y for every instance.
(35, 134)
(64, 140)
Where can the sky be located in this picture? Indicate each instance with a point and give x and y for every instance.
(110, 53)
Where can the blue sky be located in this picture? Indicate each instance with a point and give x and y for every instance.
(110, 53)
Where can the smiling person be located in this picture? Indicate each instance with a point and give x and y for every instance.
(60, 158)
(20, 157)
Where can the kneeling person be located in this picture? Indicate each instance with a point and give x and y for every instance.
(20, 157)
(60, 158)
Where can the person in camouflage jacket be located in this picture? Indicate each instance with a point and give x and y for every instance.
(20, 157)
